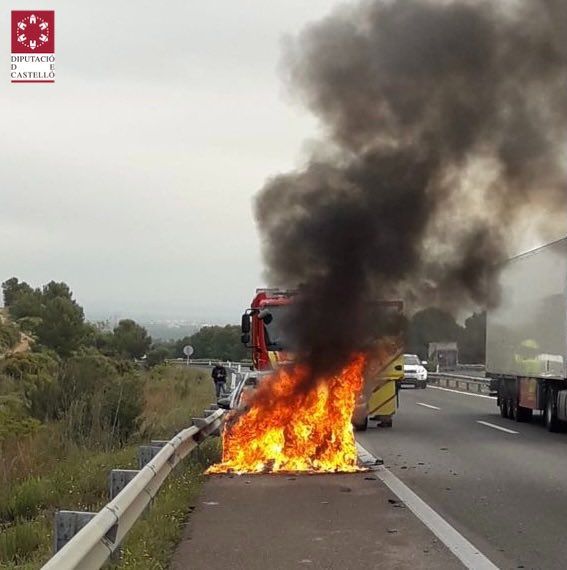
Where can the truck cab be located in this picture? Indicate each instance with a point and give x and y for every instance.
(262, 328)
(263, 331)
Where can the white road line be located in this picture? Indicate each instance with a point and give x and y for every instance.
(488, 424)
(459, 392)
(427, 406)
(465, 551)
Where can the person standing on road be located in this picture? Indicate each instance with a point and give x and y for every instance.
(219, 378)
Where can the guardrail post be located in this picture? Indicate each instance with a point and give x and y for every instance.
(461, 382)
(99, 534)
(200, 422)
(119, 478)
(146, 453)
(67, 525)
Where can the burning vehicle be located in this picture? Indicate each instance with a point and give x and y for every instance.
(264, 331)
(442, 143)
(287, 429)
(279, 425)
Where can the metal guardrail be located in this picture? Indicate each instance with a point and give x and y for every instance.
(473, 384)
(236, 369)
(93, 545)
(213, 361)
(236, 366)
(471, 367)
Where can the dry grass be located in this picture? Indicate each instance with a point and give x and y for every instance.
(152, 541)
(17, 541)
(33, 455)
(174, 395)
(26, 509)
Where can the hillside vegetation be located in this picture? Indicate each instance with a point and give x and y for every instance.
(75, 406)
(221, 342)
(10, 335)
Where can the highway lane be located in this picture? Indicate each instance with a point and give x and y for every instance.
(319, 522)
(502, 484)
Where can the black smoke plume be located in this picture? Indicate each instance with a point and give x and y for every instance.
(445, 126)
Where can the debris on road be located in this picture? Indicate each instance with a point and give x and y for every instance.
(312, 530)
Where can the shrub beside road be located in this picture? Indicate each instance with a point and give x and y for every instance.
(62, 462)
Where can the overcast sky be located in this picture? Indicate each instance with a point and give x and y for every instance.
(131, 178)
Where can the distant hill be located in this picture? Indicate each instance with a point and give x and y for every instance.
(170, 330)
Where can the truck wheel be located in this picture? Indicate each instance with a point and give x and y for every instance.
(387, 423)
(550, 416)
(504, 408)
(523, 414)
(361, 427)
(513, 410)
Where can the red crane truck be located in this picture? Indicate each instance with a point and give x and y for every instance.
(262, 331)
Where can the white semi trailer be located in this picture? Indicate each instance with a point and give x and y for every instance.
(526, 336)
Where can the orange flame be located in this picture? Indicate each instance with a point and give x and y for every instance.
(288, 429)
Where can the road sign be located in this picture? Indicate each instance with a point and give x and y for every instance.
(188, 350)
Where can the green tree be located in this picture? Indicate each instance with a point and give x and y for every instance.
(170, 347)
(98, 335)
(29, 324)
(35, 378)
(131, 339)
(9, 336)
(100, 401)
(26, 304)
(62, 326)
(218, 342)
(53, 290)
(12, 289)
(178, 347)
(157, 356)
(51, 314)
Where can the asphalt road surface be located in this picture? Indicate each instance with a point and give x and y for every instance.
(323, 522)
(501, 484)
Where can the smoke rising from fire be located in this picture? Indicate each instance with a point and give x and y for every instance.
(444, 124)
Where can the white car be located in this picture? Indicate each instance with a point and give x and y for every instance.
(250, 381)
(237, 399)
(415, 373)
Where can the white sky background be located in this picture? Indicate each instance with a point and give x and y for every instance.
(131, 178)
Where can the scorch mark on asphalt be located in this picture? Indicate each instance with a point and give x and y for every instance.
(464, 550)
(488, 424)
(428, 406)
